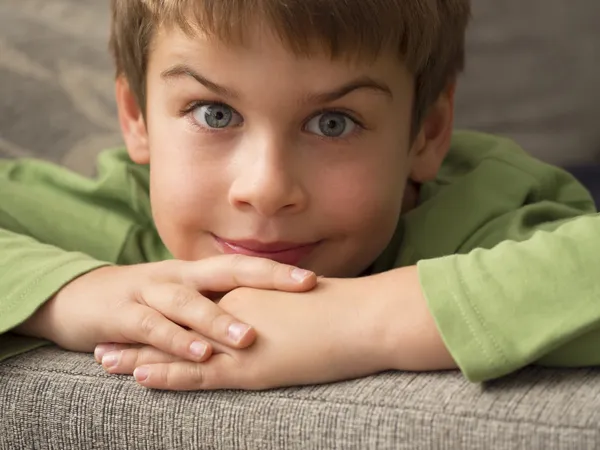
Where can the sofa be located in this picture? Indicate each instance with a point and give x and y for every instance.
(532, 75)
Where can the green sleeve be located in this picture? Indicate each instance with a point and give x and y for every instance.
(56, 225)
(31, 273)
(520, 303)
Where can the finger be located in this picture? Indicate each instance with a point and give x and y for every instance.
(227, 272)
(186, 376)
(185, 306)
(102, 349)
(125, 361)
(143, 324)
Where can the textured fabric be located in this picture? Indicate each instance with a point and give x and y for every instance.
(522, 302)
(66, 216)
(55, 400)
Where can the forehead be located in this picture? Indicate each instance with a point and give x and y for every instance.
(263, 52)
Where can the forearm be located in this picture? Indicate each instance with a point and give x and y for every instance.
(501, 309)
(404, 331)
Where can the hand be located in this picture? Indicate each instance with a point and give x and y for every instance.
(324, 335)
(154, 304)
(342, 329)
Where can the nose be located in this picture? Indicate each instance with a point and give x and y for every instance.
(268, 180)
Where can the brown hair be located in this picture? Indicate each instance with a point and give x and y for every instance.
(428, 35)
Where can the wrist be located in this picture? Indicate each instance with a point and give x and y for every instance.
(36, 325)
(407, 333)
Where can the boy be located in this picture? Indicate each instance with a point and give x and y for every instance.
(303, 133)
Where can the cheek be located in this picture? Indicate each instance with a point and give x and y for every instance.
(181, 181)
(365, 198)
(184, 193)
(176, 194)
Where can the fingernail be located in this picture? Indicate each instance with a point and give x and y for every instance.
(237, 331)
(300, 274)
(141, 374)
(102, 350)
(198, 349)
(110, 360)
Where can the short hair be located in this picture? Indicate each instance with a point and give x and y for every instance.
(427, 35)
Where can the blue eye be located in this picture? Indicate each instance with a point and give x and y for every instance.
(331, 124)
(215, 115)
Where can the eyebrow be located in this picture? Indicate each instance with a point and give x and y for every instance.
(181, 70)
(365, 82)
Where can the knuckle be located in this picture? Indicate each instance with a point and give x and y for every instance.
(138, 357)
(165, 377)
(237, 264)
(219, 323)
(273, 267)
(148, 323)
(182, 376)
(237, 261)
(121, 306)
(195, 375)
(182, 297)
(178, 342)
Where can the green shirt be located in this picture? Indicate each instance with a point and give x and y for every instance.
(496, 310)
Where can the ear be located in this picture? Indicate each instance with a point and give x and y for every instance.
(433, 140)
(132, 123)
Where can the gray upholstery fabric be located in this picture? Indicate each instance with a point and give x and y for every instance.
(535, 83)
(55, 400)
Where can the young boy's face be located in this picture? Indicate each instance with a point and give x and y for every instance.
(255, 150)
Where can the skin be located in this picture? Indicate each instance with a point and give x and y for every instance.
(165, 304)
(343, 329)
(279, 178)
(272, 174)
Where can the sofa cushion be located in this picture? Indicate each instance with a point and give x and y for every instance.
(54, 399)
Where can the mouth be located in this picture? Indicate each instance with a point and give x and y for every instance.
(281, 252)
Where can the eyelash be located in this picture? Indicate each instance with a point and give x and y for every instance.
(188, 110)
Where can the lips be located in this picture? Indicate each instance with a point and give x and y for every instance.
(282, 252)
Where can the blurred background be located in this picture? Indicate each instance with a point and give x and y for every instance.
(533, 74)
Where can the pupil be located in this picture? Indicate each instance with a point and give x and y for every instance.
(331, 124)
(219, 115)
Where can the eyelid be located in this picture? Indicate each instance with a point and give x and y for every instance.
(341, 111)
(199, 103)
(187, 112)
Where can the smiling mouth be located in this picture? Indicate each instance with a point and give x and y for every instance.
(282, 252)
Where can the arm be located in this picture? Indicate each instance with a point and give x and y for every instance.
(501, 309)
(31, 273)
(476, 312)
(54, 227)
